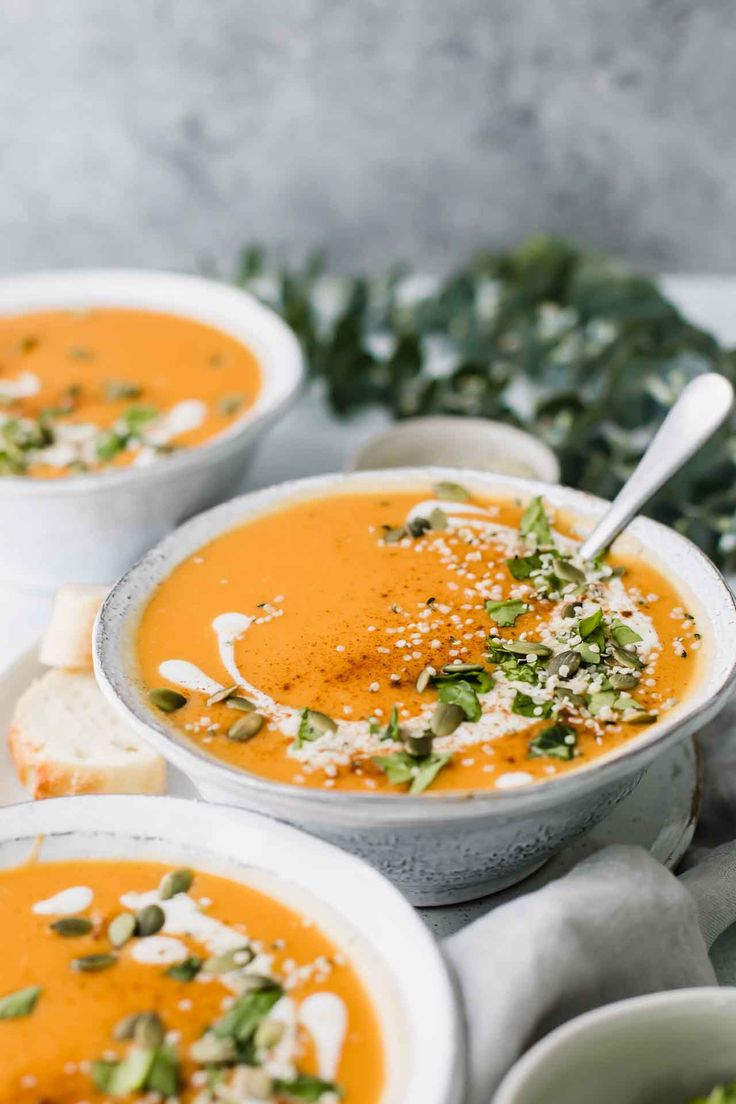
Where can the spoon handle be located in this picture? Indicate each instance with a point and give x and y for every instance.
(701, 409)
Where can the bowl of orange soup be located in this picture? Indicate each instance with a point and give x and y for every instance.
(128, 401)
(418, 665)
(162, 949)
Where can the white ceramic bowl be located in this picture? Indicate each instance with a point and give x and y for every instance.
(454, 442)
(399, 961)
(89, 528)
(453, 847)
(664, 1048)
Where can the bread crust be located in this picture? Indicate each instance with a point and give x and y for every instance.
(44, 775)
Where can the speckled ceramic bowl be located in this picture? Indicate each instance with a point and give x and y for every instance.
(453, 847)
(665, 1048)
(89, 528)
(382, 935)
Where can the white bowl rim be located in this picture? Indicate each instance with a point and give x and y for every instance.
(289, 854)
(544, 459)
(197, 764)
(526, 1066)
(130, 288)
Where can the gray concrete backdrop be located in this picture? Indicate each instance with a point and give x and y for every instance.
(158, 132)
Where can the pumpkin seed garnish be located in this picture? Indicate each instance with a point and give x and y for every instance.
(149, 920)
(175, 881)
(521, 647)
(419, 746)
(125, 1028)
(569, 610)
(451, 492)
(568, 572)
(211, 1051)
(424, 678)
(625, 658)
(148, 1030)
(320, 722)
(71, 927)
(237, 701)
(564, 693)
(246, 727)
(228, 961)
(168, 701)
(228, 405)
(269, 1034)
(115, 389)
(221, 695)
(121, 928)
(393, 536)
(446, 718)
(257, 1084)
(252, 983)
(418, 527)
(93, 964)
(641, 717)
(438, 519)
(21, 1003)
(622, 680)
(567, 662)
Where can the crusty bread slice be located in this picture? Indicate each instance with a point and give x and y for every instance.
(67, 641)
(65, 739)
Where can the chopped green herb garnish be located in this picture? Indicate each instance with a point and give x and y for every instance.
(521, 567)
(241, 1020)
(526, 706)
(624, 634)
(559, 741)
(402, 768)
(307, 1088)
(590, 623)
(460, 692)
(534, 523)
(186, 970)
(505, 613)
(393, 729)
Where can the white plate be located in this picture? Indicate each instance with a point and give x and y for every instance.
(660, 814)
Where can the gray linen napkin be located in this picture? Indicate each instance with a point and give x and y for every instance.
(618, 925)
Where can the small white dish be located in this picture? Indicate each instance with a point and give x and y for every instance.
(440, 849)
(665, 1048)
(386, 941)
(89, 528)
(455, 442)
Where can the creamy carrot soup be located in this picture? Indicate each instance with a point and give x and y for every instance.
(134, 981)
(87, 390)
(400, 641)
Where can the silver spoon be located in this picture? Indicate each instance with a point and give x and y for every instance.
(701, 409)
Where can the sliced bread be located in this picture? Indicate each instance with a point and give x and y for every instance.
(67, 641)
(65, 739)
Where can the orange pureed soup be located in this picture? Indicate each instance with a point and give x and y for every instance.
(88, 390)
(398, 641)
(122, 979)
